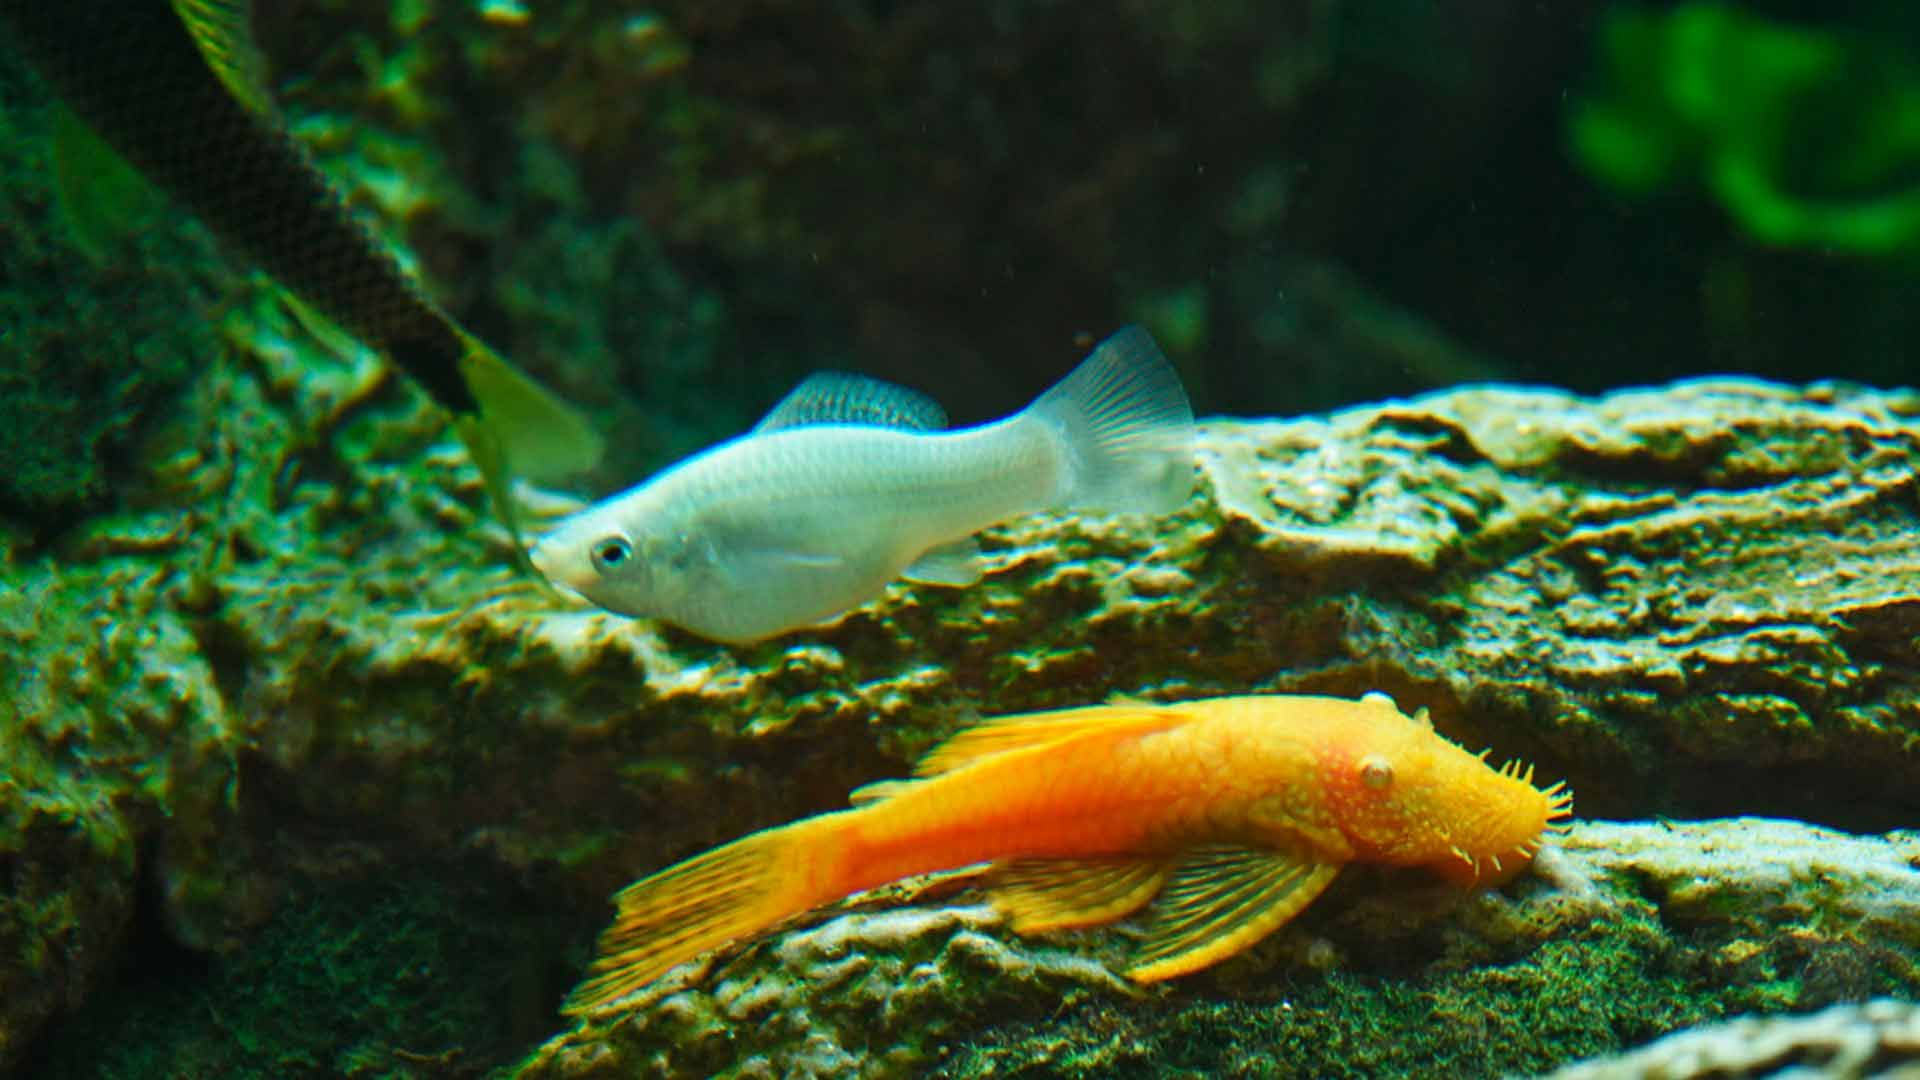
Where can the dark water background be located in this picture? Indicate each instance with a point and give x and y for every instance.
(1312, 203)
(672, 214)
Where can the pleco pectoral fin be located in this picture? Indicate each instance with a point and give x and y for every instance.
(1040, 895)
(1221, 900)
(956, 564)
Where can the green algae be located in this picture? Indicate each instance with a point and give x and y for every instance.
(1622, 933)
(426, 973)
(98, 333)
(1807, 136)
(1515, 1018)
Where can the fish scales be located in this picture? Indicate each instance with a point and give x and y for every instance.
(805, 518)
(967, 480)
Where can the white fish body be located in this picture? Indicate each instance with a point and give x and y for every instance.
(808, 516)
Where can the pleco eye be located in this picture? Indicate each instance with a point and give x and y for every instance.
(1376, 772)
(612, 553)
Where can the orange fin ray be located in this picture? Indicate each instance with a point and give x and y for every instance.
(1008, 733)
(1042, 895)
(729, 893)
(878, 791)
(1219, 901)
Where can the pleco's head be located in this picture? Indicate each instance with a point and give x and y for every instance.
(594, 555)
(1410, 797)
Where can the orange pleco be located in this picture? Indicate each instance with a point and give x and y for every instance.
(1223, 817)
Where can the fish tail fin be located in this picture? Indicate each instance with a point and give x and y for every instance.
(520, 429)
(540, 436)
(1127, 426)
(729, 893)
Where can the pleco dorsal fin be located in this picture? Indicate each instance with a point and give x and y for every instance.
(836, 397)
(878, 791)
(1009, 733)
(223, 32)
(957, 563)
(1219, 901)
(1040, 895)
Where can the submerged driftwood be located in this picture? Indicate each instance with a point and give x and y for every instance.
(306, 658)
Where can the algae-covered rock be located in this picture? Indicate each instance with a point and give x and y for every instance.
(1689, 601)
(1878, 1040)
(97, 334)
(1625, 931)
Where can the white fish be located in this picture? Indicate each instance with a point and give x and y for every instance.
(848, 484)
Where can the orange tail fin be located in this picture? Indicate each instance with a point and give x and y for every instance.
(729, 893)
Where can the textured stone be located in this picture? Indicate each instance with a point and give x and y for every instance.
(1621, 930)
(304, 632)
(1878, 1040)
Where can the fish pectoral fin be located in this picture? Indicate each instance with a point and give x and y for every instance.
(1024, 730)
(1042, 895)
(753, 563)
(1220, 900)
(836, 397)
(956, 564)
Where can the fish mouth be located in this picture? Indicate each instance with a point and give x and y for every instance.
(541, 560)
(552, 569)
(1497, 861)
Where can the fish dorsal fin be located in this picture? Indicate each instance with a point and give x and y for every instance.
(836, 397)
(878, 791)
(956, 564)
(1040, 895)
(223, 32)
(1019, 732)
(1220, 900)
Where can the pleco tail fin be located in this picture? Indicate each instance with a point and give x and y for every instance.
(729, 893)
(1127, 426)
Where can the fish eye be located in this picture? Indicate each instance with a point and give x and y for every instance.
(611, 553)
(1376, 772)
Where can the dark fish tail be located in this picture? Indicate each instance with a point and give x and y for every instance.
(131, 70)
(162, 83)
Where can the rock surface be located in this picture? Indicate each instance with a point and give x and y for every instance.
(1623, 931)
(301, 650)
(1879, 1040)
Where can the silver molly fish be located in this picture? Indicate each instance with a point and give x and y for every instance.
(850, 483)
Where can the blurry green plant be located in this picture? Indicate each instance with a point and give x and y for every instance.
(1809, 138)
